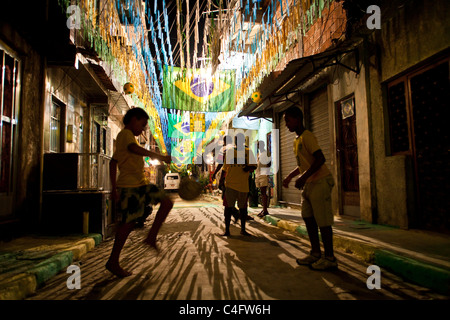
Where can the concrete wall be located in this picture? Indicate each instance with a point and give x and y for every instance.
(416, 31)
(411, 34)
(344, 83)
(28, 161)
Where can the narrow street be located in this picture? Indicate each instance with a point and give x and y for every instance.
(196, 263)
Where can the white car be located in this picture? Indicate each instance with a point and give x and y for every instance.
(172, 181)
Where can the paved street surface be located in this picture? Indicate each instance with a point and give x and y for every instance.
(196, 263)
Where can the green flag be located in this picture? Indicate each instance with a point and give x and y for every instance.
(195, 90)
(183, 141)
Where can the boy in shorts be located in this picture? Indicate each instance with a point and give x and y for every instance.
(227, 145)
(316, 181)
(131, 191)
(236, 184)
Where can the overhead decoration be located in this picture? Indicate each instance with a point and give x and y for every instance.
(197, 122)
(256, 97)
(198, 90)
(117, 33)
(262, 38)
(183, 140)
(128, 88)
(257, 39)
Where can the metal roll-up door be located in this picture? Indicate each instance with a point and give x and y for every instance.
(319, 122)
(288, 163)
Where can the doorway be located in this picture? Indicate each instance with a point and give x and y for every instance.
(417, 103)
(429, 90)
(347, 148)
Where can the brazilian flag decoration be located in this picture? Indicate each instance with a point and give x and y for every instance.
(184, 143)
(195, 90)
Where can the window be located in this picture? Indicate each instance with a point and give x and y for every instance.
(56, 123)
(9, 73)
(96, 137)
(406, 100)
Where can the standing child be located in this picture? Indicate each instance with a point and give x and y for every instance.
(262, 178)
(316, 181)
(221, 157)
(131, 191)
(236, 184)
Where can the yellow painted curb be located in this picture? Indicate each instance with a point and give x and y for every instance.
(81, 248)
(290, 226)
(17, 287)
(78, 248)
(363, 250)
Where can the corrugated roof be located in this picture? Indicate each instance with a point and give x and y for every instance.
(280, 84)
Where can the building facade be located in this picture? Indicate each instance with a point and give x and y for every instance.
(62, 103)
(375, 100)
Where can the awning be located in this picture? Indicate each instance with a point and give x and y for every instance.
(102, 76)
(279, 87)
(119, 101)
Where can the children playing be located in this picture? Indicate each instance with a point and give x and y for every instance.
(131, 191)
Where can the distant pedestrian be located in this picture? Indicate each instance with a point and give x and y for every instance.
(317, 182)
(131, 191)
(262, 177)
(236, 184)
(227, 145)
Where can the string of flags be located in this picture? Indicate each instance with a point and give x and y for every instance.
(145, 57)
(262, 38)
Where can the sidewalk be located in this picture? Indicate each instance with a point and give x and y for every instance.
(418, 256)
(27, 262)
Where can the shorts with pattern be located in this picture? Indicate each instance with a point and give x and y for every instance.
(316, 201)
(132, 201)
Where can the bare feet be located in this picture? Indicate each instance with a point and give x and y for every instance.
(117, 270)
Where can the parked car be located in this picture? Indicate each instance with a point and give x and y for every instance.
(171, 181)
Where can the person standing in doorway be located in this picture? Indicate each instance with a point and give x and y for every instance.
(316, 182)
(131, 191)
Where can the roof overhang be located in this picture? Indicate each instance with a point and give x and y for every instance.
(280, 87)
